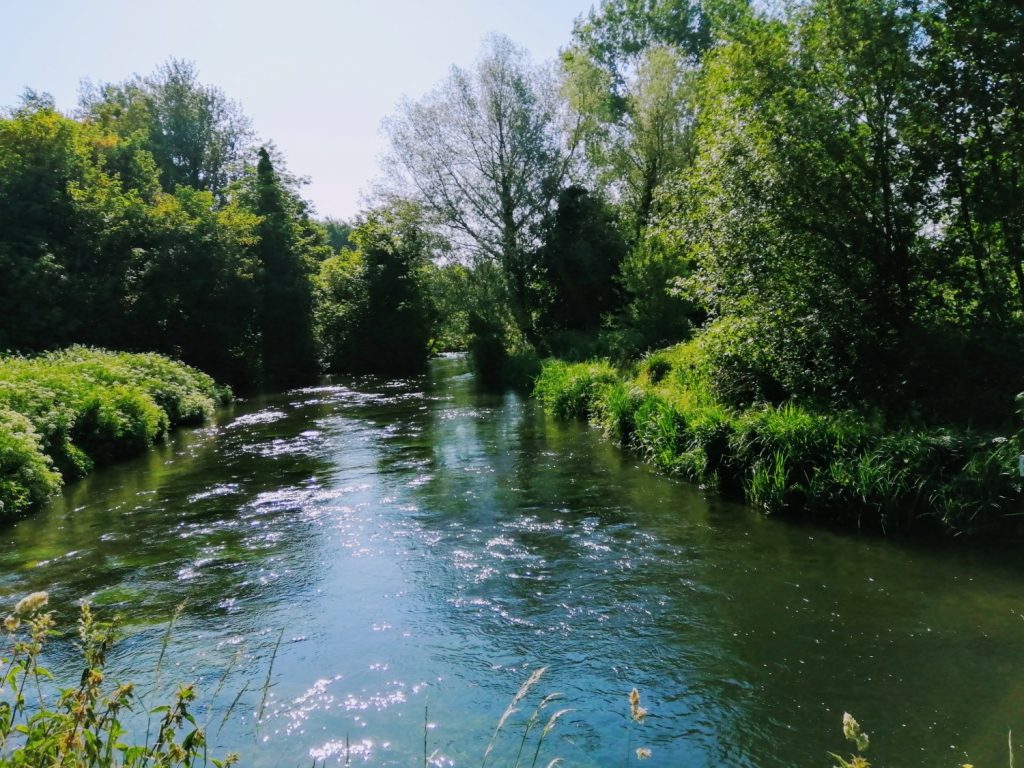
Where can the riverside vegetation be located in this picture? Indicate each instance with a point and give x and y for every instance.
(821, 200)
(64, 412)
(792, 458)
(84, 725)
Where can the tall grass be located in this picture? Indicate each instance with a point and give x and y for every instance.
(64, 412)
(82, 725)
(790, 458)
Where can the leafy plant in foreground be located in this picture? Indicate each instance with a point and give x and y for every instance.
(81, 726)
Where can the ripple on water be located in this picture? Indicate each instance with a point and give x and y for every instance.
(260, 417)
(302, 444)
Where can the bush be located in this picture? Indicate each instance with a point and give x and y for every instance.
(26, 473)
(571, 390)
(86, 406)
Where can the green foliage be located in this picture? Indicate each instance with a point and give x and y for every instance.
(83, 725)
(284, 312)
(484, 155)
(197, 137)
(792, 459)
(373, 310)
(338, 233)
(834, 221)
(447, 286)
(580, 256)
(139, 226)
(655, 313)
(27, 477)
(572, 390)
(615, 32)
(72, 409)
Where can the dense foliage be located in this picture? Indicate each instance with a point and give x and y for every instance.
(154, 221)
(828, 193)
(825, 198)
(792, 459)
(373, 310)
(63, 412)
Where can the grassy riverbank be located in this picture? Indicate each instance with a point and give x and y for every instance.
(793, 459)
(65, 412)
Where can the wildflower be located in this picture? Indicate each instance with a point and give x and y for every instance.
(642, 753)
(11, 623)
(31, 603)
(852, 732)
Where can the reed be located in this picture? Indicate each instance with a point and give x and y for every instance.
(83, 725)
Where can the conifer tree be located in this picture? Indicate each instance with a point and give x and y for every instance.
(285, 314)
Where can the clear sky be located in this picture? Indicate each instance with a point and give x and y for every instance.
(316, 76)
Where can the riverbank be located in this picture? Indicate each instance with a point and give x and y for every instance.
(793, 460)
(63, 413)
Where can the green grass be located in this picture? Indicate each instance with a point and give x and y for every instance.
(64, 412)
(792, 459)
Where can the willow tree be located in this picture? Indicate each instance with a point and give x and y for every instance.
(485, 155)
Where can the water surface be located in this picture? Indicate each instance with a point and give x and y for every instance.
(412, 547)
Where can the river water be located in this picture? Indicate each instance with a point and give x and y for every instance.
(388, 561)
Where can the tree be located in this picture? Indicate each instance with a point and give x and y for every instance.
(581, 255)
(975, 91)
(640, 137)
(41, 152)
(285, 311)
(805, 208)
(338, 233)
(372, 305)
(198, 137)
(485, 155)
(192, 289)
(615, 35)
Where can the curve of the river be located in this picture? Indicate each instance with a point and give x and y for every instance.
(420, 548)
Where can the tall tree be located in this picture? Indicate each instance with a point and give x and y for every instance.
(615, 34)
(485, 155)
(973, 51)
(198, 137)
(642, 136)
(372, 301)
(805, 209)
(286, 304)
(581, 255)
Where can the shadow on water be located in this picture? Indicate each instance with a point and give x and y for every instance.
(417, 543)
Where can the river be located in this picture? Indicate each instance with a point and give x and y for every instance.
(360, 557)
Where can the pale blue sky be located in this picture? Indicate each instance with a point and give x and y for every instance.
(316, 76)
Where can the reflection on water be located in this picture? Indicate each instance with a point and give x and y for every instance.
(414, 545)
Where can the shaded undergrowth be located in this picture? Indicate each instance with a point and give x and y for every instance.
(792, 459)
